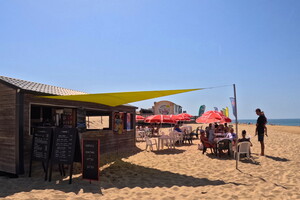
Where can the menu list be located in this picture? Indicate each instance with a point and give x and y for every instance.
(90, 159)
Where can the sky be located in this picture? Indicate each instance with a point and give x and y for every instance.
(99, 46)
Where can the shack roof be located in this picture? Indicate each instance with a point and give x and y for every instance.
(38, 87)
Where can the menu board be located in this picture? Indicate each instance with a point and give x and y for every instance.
(64, 145)
(41, 143)
(90, 159)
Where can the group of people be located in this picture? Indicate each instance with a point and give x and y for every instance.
(207, 135)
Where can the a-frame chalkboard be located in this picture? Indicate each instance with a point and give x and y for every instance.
(63, 148)
(90, 159)
(41, 148)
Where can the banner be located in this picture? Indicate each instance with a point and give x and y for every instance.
(226, 112)
(201, 110)
(232, 100)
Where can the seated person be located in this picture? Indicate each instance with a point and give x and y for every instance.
(205, 142)
(176, 128)
(244, 139)
(226, 128)
(220, 129)
(231, 135)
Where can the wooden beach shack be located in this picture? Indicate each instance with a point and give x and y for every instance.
(22, 111)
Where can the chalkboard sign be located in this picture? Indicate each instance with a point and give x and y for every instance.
(41, 148)
(90, 159)
(63, 148)
(41, 142)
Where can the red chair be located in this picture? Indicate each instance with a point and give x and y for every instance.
(206, 145)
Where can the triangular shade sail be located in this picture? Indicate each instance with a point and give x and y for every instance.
(120, 98)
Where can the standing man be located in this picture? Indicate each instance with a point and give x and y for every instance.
(260, 129)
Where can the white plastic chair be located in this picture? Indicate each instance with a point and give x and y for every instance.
(150, 143)
(242, 148)
(140, 135)
(174, 137)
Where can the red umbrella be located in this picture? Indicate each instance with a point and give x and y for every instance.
(225, 120)
(139, 118)
(159, 119)
(176, 117)
(185, 115)
(212, 116)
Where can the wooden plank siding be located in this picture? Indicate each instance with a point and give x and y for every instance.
(8, 130)
(110, 143)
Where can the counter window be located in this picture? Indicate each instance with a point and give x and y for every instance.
(96, 120)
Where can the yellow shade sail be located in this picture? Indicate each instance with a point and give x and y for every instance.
(120, 98)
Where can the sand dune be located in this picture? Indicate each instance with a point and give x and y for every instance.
(183, 173)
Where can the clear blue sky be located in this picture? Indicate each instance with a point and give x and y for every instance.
(124, 45)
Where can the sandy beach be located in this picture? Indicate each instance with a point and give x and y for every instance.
(181, 173)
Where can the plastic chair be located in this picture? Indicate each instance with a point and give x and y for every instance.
(207, 145)
(224, 144)
(140, 135)
(150, 143)
(174, 137)
(242, 148)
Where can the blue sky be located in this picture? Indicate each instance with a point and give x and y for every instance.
(118, 45)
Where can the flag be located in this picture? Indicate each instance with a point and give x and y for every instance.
(216, 109)
(232, 99)
(226, 112)
(201, 110)
(223, 111)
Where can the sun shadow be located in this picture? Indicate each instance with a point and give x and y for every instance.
(169, 151)
(119, 174)
(250, 160)
(278, 158)
(123, 174)
(262, 179)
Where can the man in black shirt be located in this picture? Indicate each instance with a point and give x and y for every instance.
(260, 129)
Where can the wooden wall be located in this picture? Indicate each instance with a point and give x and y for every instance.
(8, 130)
(110, 143)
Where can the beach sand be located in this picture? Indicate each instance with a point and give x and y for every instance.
(181, 173)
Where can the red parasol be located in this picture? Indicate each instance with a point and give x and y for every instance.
(139, 118)
(159, 119)
(213, 116)
(185, 116)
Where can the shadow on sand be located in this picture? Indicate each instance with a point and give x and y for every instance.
(120, 174)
